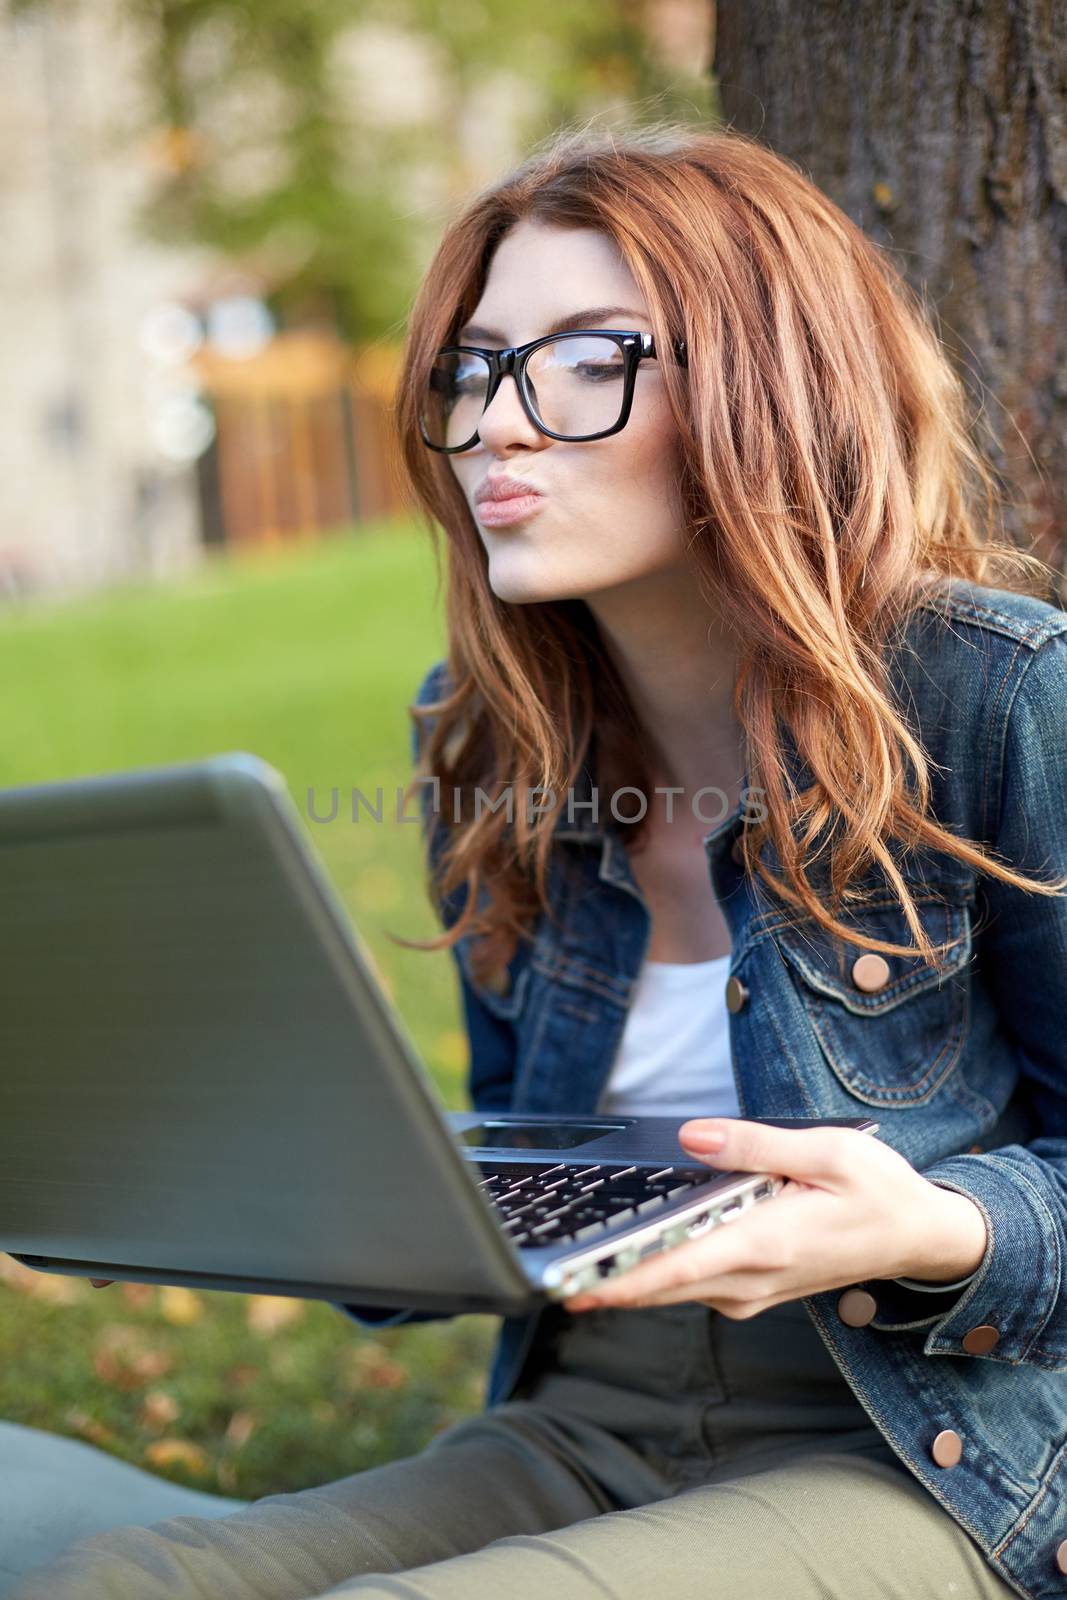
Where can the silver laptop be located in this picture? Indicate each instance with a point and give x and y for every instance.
(204, 1083)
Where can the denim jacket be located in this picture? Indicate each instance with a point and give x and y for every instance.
(964, 1070)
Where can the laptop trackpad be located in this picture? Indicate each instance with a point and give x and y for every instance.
(512, 1135)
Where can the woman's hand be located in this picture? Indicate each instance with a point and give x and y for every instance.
(852, 1209)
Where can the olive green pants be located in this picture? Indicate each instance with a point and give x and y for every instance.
(663, 1452)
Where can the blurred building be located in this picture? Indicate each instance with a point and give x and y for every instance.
(147, 411)
(85, 495)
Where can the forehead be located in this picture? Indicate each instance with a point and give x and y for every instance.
(541, 273)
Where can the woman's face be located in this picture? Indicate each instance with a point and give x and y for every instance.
(610, 511)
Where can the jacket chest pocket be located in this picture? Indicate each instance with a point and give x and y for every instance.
(891, 1027)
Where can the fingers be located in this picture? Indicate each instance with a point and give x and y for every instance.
(674, 1272)
(748, 1259)
(823, 1155)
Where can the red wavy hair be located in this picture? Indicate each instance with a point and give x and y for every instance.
(828, 478)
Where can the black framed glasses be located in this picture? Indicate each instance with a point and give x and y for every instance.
(573, 386)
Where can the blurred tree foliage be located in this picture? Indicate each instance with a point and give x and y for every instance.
(284, 133)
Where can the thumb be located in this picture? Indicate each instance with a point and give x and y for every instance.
(736, 1145)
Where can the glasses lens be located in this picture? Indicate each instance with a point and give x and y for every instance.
(575, 387)
(459, 383)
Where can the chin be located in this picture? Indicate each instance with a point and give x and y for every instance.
(509, 582)
(522, 594)
(520, 582)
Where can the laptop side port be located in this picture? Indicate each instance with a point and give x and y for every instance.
(766, 1188)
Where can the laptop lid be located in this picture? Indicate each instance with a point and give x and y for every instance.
(202, 1082)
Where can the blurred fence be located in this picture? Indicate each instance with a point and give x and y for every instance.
(303, 441)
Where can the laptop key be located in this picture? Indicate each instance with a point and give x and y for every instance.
(546, 1229)
(554, 1203)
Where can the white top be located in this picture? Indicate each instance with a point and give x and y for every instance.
(674, 1055)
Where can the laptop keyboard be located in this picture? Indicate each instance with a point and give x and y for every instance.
(548, 1205)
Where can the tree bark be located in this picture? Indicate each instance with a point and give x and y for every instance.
(940, 127)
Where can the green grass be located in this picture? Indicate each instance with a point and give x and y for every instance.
(308, 658)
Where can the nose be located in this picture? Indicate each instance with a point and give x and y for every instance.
(504, 421)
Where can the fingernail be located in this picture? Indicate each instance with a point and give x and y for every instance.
(705, 1139)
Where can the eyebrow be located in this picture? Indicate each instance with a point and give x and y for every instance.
(591, 316)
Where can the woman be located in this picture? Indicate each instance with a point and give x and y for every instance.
(741, 560)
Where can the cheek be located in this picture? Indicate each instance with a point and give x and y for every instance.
(645, 463)
(639, 507)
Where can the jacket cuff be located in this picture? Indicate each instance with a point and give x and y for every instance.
(1014, 1289)
(905, 1303)
(936, 1288)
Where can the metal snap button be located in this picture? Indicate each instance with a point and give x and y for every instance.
(1061, 1556)
(870, 972)
(736, 995)
(947, 1448)
(856, 1308)
(979, 1341)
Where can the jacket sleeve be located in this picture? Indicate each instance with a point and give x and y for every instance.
(1020, 1285)
(370, 1316)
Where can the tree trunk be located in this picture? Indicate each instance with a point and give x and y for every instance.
(940, 127)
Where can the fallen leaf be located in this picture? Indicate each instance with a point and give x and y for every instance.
(387, 1375)
(58, 1291)
(180, 1306)
(270, 1313)
(122, 1357)
(242, 1426)
(159, 1409)
(240, 1376)
(138, 1296)
(372, 1367)
(149, 1364)
(177, 1453)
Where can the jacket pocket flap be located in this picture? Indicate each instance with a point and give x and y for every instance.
(833, 967)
